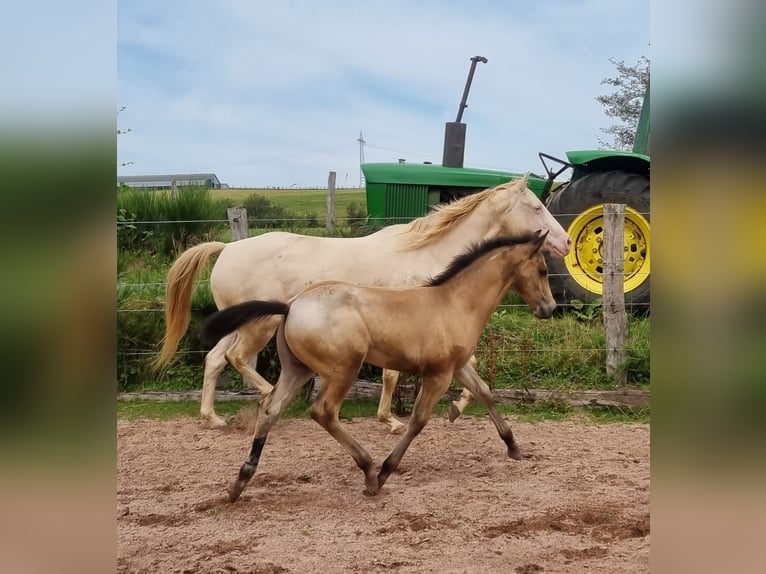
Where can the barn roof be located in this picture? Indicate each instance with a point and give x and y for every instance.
(166, 177)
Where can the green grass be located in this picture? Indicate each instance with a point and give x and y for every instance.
(354, 409)
(516, 350)
(300, 201)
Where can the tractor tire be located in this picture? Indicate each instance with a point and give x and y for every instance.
(579, 208)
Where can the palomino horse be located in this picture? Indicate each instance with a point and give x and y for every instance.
(331, 328)
(277, 266)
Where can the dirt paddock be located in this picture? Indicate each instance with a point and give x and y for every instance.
(577, 502)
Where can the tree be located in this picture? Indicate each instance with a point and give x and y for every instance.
(625, 102)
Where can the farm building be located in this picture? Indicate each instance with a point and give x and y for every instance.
(166, 181)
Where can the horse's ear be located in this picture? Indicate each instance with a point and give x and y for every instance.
(523, 180)
(540, 240)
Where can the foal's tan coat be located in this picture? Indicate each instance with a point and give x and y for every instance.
(330, 329)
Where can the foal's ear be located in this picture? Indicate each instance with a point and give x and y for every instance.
(541, 237)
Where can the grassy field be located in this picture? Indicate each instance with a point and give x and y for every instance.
(300, 201)
(352, 409)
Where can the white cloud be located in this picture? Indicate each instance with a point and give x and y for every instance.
(275, 93)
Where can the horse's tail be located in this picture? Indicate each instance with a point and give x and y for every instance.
(223, 322)
(180, 286)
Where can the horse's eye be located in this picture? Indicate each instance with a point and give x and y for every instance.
(543, 272)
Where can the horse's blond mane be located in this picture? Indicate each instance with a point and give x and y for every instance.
(445, 217)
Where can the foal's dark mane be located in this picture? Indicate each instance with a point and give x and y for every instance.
(476, 251)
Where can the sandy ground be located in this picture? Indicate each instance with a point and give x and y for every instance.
(577, 502)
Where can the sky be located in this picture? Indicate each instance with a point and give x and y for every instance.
(277, 93)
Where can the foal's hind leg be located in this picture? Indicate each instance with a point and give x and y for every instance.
(293, 377)
(215, 362)
(390, 379)
(470, 379)
(457, 407)
(431, 391)
(251, 339)
(325, 412)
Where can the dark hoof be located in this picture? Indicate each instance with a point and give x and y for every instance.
(453, 412)
(514, 453)
(372, 488)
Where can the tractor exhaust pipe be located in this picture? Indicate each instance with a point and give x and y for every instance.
(454, 132)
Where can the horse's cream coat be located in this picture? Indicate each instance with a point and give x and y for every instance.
(277, 266)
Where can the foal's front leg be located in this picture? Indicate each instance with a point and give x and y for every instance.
(432, 389)
(470, 379)
(325, 411)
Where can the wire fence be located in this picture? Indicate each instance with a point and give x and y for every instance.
(149, 293)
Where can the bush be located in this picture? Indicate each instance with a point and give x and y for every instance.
(356, 217)
(262, 213)
(157, 222)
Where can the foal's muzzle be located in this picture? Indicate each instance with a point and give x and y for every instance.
(545, 310)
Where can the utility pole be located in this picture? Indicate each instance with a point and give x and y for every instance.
(361, 156)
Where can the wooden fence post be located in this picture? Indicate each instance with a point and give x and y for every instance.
(330, 218)
(615, 318)
(238, 223)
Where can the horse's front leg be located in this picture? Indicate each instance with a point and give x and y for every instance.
(470, 379)
(457, 407)
(390, 380)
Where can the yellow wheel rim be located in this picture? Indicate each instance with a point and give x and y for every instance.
(585, 260)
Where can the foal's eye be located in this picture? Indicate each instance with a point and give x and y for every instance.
(543, 272)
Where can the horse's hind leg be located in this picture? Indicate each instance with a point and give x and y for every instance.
(293, 377)
(390, 380)
(457, 407)
(431, 391)
(215, 362)
(251, 339)
(470, 379)
(325, 412)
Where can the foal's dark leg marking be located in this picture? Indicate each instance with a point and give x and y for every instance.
(247, 470)
(385, 471)
(513, 448)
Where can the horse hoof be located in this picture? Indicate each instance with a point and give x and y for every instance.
(514, 453)
(453, 412)
(371, 490)
(372, 487)
(397, 427)
(214, 422)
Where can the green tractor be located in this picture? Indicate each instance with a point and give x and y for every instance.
(400, 192)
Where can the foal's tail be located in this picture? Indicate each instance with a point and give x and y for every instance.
(179, 294)
(223, 322)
